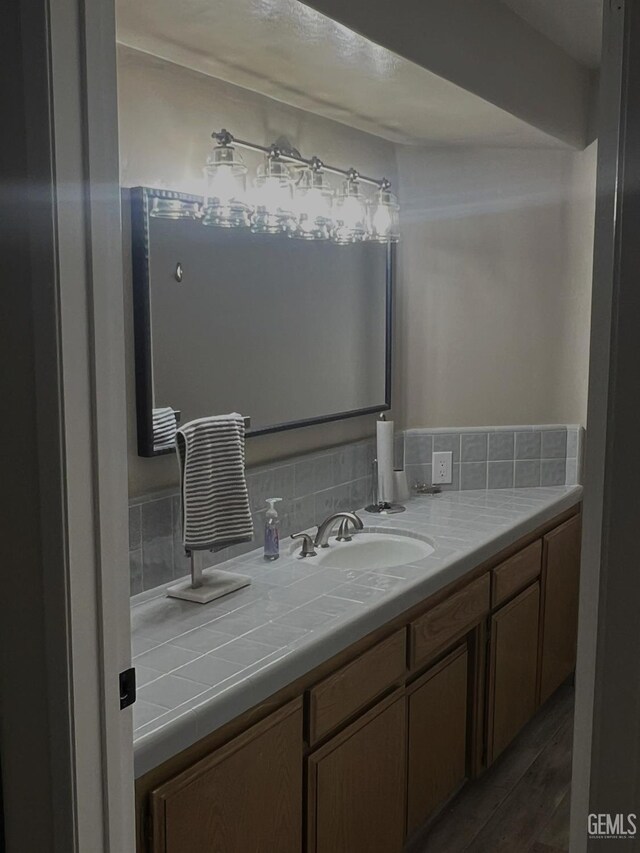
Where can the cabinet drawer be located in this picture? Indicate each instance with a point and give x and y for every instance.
(355, 685)
(449, 620)
(516, 573)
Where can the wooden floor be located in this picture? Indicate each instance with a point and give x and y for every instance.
(521, 804)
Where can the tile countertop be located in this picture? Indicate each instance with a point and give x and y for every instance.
(200, 666)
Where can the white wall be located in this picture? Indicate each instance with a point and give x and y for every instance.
(166, 115)
(496, 283)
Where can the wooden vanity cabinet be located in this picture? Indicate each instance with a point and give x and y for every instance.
(560, 593)
(437, 715)
(513, 669)
(240, 798)
(357, 782)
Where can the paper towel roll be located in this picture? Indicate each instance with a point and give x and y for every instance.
(384, 442)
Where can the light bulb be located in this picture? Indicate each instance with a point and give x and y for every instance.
(313, 203)
(350, 214)
(225, 203)
(273, 199)
(384, 216)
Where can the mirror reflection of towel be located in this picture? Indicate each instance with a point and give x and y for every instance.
(164, 428)
(215, 500)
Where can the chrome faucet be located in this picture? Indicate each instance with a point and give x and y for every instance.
(324, 530)
(309, 544)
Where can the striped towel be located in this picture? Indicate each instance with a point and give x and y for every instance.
(215, 501)
(164, 428)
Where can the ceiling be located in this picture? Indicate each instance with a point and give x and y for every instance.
(574, 25)
(290, 52)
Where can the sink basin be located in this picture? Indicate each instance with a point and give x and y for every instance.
(373, 551)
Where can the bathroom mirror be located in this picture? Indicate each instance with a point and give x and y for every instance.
(287, 332)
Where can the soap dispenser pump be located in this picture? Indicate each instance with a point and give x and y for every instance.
(272, 531)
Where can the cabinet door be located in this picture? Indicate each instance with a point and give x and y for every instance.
(513, 669)
(437, 754)
(561, 581)
(245, 798)
(357, 785)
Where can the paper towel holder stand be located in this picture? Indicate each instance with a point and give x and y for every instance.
(379, 507)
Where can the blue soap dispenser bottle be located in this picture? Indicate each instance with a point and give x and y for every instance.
(272, 531)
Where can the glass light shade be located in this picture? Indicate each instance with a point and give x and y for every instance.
(350, 214)
(314, 206)
(174, 208)
(225, 203)
(384, 217)
(273, 199)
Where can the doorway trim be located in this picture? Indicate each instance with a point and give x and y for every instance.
(66, 747)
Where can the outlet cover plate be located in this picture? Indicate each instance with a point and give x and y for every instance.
(442, 467)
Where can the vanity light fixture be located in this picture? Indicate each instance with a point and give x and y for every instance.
(292, 195)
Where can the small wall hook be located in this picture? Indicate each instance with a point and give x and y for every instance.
(178, 273)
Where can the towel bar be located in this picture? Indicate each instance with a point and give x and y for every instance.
(178, 414)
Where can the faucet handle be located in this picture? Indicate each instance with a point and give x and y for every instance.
(343, 531)
(308, 549)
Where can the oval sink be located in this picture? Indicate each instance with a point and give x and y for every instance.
(373, 551)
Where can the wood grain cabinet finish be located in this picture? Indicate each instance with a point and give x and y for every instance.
(451, 619)
(356, 685)
(513, 669)
(356, 785)
(516, 573)
(437, 737)
(560, 587)
(245, 798)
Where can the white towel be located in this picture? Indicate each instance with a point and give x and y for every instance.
(215, 501)
(164, 428)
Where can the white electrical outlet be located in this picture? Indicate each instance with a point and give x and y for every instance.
(441, 467)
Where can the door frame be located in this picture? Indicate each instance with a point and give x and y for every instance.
(66, 747)
(606, 762)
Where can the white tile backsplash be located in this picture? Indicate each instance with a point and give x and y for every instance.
(311, 487)
(514, 456)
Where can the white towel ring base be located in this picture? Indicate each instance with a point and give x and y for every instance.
(214, 584)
